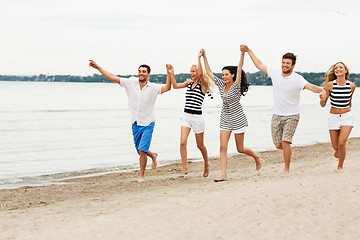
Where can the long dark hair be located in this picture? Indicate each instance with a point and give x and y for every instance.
(244, 84)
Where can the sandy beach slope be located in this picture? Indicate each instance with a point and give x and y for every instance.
(313, 203)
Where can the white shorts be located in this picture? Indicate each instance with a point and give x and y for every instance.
(194, 121)
(237, 131)
(337, 120)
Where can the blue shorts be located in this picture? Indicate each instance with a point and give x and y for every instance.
(142, 136)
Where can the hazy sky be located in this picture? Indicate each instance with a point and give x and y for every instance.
(58, 37)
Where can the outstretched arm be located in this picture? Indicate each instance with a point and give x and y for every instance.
(105, 73)
(316, 89)
(254, 59)
(171, 74)
(167, 86)
(206, 63)
(239, 70)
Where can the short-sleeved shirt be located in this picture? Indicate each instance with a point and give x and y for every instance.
(232, 115)
(141, 101)
(286, 91)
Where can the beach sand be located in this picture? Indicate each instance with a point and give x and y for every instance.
(313, 203)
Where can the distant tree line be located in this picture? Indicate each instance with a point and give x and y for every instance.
(257, 78)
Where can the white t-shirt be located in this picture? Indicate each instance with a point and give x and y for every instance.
(141, 101)
(286, 91)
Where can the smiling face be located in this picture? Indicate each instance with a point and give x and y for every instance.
(143, 74)
(340, 69)
(193, 72)
(287, 66)
(227, 76)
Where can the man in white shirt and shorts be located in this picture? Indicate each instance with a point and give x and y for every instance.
(287, 86)
(142, 95)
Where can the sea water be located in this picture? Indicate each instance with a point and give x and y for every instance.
(51, 131)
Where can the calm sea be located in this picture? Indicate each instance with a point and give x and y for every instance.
(52, 131)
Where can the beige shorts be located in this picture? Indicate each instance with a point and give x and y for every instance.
(283, 127)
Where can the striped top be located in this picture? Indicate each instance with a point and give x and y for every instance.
(194, 99)
(232, 116)
(340, 95)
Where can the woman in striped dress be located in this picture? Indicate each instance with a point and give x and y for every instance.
(232, 86)
(192, 118)
(340, 90)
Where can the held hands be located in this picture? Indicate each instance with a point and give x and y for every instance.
(169, 68)
(244, 48)
(93, 64)
(322, 95)
(201, 53)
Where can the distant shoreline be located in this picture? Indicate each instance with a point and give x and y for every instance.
(257, 78)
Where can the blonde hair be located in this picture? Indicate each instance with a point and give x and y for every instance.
(330, 74)
(205, 79)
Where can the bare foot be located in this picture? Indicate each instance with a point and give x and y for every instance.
(336, 154)
(221, 179)
(258, 162)
(141, 179)
(286, 174)
(339, 169)
(206, 171)
(183, 173)
(154, 163)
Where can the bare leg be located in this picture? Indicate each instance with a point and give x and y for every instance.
(185, 131)
(239, 140)
(153, 158)
(278, 146)
(142, 160)
(224, 140)
(200, 144)
(343, 136)
(287, 150)
(334, 137)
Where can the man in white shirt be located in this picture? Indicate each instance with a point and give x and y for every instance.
(287, 86)
(142, 95)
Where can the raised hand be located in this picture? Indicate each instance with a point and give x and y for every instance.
(244, 48)
(169, 68)
(93, 64)
(201, 53)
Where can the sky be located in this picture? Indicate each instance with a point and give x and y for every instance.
(59, 37)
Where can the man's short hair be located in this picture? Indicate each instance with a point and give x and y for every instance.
(145, 66)
(290, 56)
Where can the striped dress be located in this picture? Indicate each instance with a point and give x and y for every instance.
(194, 99)
(340, 95)
(232, 115)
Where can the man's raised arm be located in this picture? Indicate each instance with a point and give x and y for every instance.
(105, 73)
(167, 86)
(254, 59)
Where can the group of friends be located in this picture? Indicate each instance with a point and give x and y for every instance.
(287, 86)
